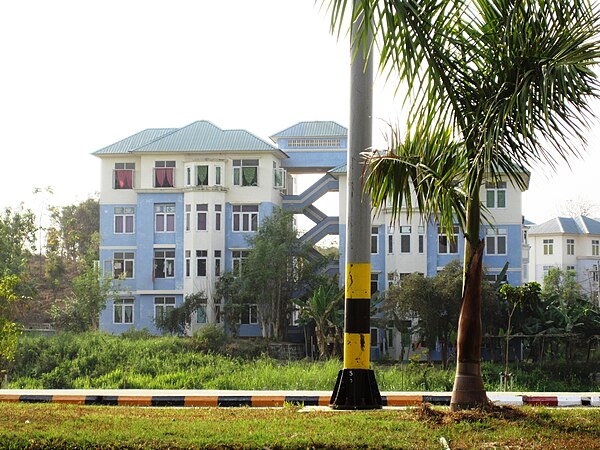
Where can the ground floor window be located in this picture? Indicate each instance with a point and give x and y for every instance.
(123, 310)
(163, 306)
(249, 314)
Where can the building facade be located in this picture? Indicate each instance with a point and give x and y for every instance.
(568, 243)
(177, 204)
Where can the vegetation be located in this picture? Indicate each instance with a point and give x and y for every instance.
(32, 426)
(210, 360)
(493, 87)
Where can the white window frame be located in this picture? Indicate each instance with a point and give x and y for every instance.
(164, 165)
(493, 239)
(126, 214)
(495, 195)
(374, 240)
(123, 305)
(571, 247)
(237, 260)
(279, 176)
(201, 216)
(238, 172)
(405, 232)
(201, 313)
(450, 244)
(218, 259)
(123, 263)
(167, 255)
(595, 247)
(162, 212)
(252, 309)
(188, 263)
(201, 257)
(124, 167)
(548, 246)
(163, 305)
(218, 217)
(245, 218)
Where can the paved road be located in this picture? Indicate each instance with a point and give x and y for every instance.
(212, 398)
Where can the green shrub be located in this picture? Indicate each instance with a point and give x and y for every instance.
(211, 337)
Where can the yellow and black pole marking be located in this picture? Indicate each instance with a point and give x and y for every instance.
(356, 387)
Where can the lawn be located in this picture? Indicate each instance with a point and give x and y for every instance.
(33, 426)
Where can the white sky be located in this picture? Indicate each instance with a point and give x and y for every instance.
(79, 75)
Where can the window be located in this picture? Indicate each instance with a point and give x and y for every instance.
(390, 336)
(278, 177)
(164, 218)
(374, 337)
(217, 263)
(495, 241)
(202, 217)
(123, 175)
(202, 175)
(201, 257)
(164, 263)
(163, 307)
(374, 240)
(188, 257)
(391, 278)
(548, 246)
(321, 143)
(495, 195)
(595, 273)
(201, 314)
(218, 209)
(124, 220)
(390, 243)
(249, 314)
(405, 239)
(571, 268)
(218, 172)
(494, 278)
(245, 172)
(123, 265)
(421, 231)
(448, 245)
(164, 173)
(238, 257)
(545, 270)
(123, 310)
(245, 217)
(219, 317)
(374, 283)
(595, 247)
(570, 246)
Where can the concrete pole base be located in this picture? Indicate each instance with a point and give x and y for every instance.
(355, 389)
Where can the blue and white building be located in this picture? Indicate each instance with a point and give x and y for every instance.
(177, 204)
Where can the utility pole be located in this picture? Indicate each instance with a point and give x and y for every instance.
(356, 387)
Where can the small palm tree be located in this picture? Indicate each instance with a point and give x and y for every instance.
(494, 86)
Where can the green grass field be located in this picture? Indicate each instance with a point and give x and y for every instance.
(37, 426)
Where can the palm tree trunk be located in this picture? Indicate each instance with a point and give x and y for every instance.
(468, 389)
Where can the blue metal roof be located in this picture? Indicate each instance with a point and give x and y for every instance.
(200, 136)
(132, 142)
(312, 129)
(567, 225)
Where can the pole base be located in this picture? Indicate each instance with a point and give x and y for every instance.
(355, 389)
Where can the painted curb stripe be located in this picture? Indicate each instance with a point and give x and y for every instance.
(266, 401)
(509, 400)
(135, 400)
(10, 398)
(402, 400)
(539, 400)
(443, 400)
(201, 401)
(35, 398)
(234, 401)
(71, 399)
(168, 400)
(569, 400)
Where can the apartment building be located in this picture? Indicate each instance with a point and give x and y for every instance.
(569, 243)
(177, 204)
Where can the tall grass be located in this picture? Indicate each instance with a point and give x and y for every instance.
(97, 360)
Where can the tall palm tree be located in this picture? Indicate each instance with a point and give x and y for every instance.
(493, 88)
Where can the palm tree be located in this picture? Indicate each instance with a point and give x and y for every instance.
(493, 87)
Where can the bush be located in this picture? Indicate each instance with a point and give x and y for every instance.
(211, 337)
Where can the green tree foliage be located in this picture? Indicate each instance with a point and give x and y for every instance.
(278, 268)
(9, 331)
(178, 320)
(17, 241)
(325, 309)
(493, 88)
(72, 229)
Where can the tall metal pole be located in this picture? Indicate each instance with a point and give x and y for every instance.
(356, 387)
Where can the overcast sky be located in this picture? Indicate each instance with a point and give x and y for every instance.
(79, 75)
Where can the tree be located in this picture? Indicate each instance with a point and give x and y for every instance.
(179, 319)
(493, 88)
(9, 331)
(278, 268)
(325, 309)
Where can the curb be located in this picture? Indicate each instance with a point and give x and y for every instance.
(265, 400)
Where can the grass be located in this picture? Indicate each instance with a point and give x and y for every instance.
(33, 426)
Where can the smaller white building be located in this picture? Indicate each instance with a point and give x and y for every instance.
(569, 243)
